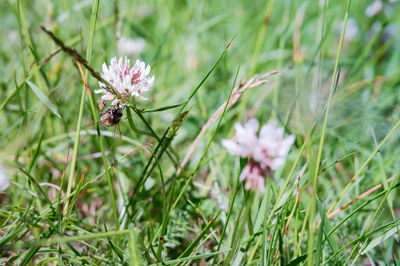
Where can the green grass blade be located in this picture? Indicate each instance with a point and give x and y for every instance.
(190, 248)
(379, 239)
(322, 141)
(133, 249)
(43, 98)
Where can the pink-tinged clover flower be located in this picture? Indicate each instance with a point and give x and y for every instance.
(126, 80)
(266, 152)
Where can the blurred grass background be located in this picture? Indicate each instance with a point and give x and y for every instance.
(183, 41)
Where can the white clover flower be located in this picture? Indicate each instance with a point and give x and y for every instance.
(272, 146)
(128, 81)
(131, 46)
(266, 152)
(246, 139)
(4, 181)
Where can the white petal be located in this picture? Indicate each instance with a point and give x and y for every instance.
(240, 132)
(268, 131)
(100, 91)
(252, 125)
(113, 62)
(231, 146)
(277, 162)
(107, 97)
(147, 70)
(137, 64)
(104, 68)
(287, 143)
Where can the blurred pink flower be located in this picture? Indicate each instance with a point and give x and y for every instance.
(254, 176)
(128, 81)
(267, 151)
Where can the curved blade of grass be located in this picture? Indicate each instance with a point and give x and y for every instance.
(43, 98)
(162, 108)
(378, 240)
(326, 227)
(375, 216)
(198, 164)
(36, 154)
(199, 237)
(229, 212)
(361, 238)
(282, 192)
(310, 259)
(208, 145)
(297, 260)
(360, 207)
(391, 132)
(92, 28)
(166, 143)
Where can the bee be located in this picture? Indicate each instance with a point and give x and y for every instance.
(111, 117)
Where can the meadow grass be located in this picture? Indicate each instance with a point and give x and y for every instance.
(165, 191)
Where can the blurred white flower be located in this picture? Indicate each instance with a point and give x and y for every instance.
(246, 139)
(4, 181)
(374, 8)
(351, 30)
(266, 152)
(131, 46)
(128, 81)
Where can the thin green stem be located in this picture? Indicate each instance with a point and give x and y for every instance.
(229, 215)
(312, 205)
(75, 150)
(189, 179)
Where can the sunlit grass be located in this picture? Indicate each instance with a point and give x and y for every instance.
(166, 192)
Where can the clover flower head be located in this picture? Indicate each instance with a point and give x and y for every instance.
(126, 80)
(266, 152)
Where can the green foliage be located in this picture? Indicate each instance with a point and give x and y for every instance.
(81, 194)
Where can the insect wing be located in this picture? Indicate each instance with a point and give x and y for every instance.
(117, 132)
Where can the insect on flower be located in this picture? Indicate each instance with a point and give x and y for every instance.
(266, 152)
(129, 82)
(111, 116)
